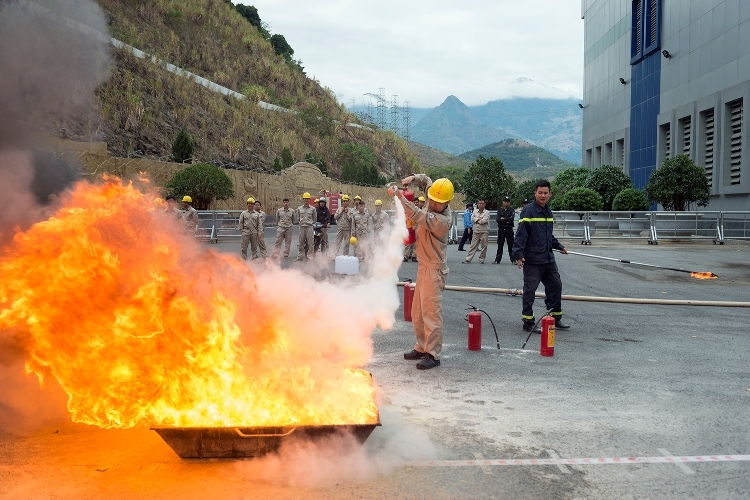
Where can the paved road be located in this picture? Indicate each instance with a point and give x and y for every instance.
(625, 381)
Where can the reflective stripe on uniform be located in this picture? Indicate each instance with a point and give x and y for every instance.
(537, 219)
(556, 313)
(524, 316)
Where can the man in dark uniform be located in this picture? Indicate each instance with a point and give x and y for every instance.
(323, 215)
(532, 249)
(504, 217)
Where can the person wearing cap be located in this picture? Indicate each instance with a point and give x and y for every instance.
(361, 230)
(481, 219)
(434, 224)
(380, 221)
(505, 216)
(284, 223)
(259, 220)
(468, 227)
(323, 215)
(306, 215)
(532, 249)
(343, 225)
(189, 215)
(248, 229)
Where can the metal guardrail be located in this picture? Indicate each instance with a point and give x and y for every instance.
(650, 226)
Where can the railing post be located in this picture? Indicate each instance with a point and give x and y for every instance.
(586, 230)
(719, 228)
(653, 239)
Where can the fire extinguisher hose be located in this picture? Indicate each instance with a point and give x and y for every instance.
(497, 339)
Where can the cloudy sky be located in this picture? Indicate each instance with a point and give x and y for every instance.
(426, 50)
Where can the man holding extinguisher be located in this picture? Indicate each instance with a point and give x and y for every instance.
(433, 225)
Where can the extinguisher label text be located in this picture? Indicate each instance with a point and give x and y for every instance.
(551, 337)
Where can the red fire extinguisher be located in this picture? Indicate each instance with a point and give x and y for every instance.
(547, 345)
(475, 330)
(412, 236)
(409, 288)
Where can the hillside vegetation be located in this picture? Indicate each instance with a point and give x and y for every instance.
(518, 156)
(142, 107)
(431, 157)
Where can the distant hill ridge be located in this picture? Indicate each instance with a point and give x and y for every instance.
(518, 155)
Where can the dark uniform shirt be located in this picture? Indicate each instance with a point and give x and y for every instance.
(323, 215)
(508, 215)
(534, 240)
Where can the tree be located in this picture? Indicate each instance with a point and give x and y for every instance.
(581, 199)
(456, 175)
(281, 47)
(318, 161)
(524, 191)
(678, 183)
(486, 179)
(277, 165)
(182, 147)
(251, 14)
(630, 200)
(608, 180)
(568, 179)
(287, 160)
(359, 164)
(204, 182)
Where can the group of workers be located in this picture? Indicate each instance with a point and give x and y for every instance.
(530, 248)
(314, 219)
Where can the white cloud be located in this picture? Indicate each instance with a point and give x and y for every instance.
(424, 51)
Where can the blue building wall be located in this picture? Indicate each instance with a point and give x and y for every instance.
(645, 89)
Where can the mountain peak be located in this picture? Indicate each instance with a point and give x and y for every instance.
(453, 101)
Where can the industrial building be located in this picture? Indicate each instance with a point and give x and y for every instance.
(669, 77)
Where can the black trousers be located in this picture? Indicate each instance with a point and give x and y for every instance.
(548, 275)
(465, 237)
(504, 234)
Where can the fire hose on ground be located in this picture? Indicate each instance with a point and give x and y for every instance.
(590, 298)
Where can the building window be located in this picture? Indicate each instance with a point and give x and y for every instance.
(607, 160)
(735, 141)
(597, 157)
(685, 126)
(665, 138)
(588, 158)
(619, 155)
(646, 28)
(708, 146)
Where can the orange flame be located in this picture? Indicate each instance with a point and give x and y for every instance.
(139, 324)
(704, 275)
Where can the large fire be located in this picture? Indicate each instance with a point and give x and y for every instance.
(138, 324)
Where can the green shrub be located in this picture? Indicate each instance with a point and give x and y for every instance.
(581, 200)
(277, 165)
(182, 147)
(204, 182)
(256, 93)
(568, 179)
(287, 160)
(678, 183)
(630, 200)
(608, 180)
(359, 164)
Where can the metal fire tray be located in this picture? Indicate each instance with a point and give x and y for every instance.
(246, 442)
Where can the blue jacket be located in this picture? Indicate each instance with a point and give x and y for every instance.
(467, 219)
(534, 240)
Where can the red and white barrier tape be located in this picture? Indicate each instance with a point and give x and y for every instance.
(579, 461)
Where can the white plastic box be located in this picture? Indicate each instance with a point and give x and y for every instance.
(346, 264)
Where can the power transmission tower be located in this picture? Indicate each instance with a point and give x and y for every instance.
(395, 116)
(407, 122)
(381, 108)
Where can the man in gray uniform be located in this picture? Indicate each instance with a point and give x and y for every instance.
(306, 215)
(344, 226)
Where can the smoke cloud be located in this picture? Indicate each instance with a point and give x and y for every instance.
(49, 69)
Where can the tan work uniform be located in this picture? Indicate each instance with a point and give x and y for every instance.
(361, 229)
(380, 222)
(190, 219)
(259, 219)
(344, 231)
(481, 235)
(284, 223)
(306, 215)
(432, 243)
(246, 226)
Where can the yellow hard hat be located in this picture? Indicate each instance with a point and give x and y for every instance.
(306, 196)
(251, 200)
(316, 200)
(345, 197)
(353, 240)
(441, 191)
(422, 199)
(187, 199)
(378, 203)
(358, 197)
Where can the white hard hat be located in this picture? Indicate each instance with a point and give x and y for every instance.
(323, 199)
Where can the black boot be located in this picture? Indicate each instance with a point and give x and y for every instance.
(414, 354)
(560, 325)
(428, 362)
